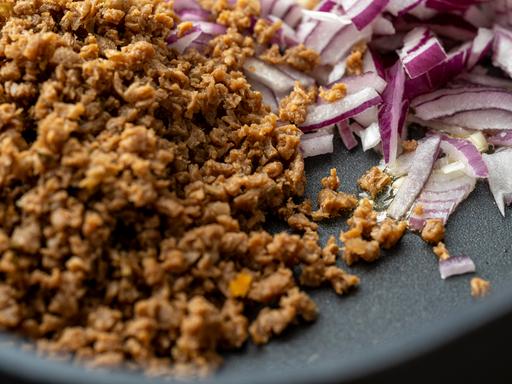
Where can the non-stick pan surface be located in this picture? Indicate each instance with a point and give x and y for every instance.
(402, 310)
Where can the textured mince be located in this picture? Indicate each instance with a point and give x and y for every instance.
(134, 184)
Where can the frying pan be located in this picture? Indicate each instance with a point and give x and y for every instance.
(402, 312)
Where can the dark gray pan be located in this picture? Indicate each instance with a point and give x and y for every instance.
(402, 310)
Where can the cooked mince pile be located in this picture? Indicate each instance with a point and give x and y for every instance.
(134, 183)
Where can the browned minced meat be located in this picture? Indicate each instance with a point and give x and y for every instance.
(332, 203)
(433, 231)
(409, 145)
(264, 30)
(299, 57)
(337, 92)
(374, 181)
(479, 287)
(294, 107)
(355, 59)
(389, 232)
(134, 183)
(440, 251)
(365, 237)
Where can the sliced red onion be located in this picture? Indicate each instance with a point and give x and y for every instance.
(478, 16)
(305, 80)
(269, 75)
(265, 7)
(269, 98)
(368, 117)
(500, 176)
(366, 80)
(456, 265)
(421, 52)
(182, 43)
(419, 172)
(342, 42)
(209, 28)
(501, 139)
(400, 167)
(346, 135)
(390, 113)
(474, 99)
(502, 47)
(195, 14)
(324, 31)
(481, 78)
(482, 119)
(400, 7)
(316, 144)
(370, 137)
(480, 47)
(440, 196)
(363, 12)
(465, 152)
(324, 114)
(383, 26)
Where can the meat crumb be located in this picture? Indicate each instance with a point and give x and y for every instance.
(337, 92)
(365, 237)
(418, 209)
(479, 287)
(433, 231)
(409, 145)
(389, 232)
(264, 30)
(441, 251)
(332, 203)
(184, 27)
(298, 57)
(294, 107)
(355, 59)
(374, 181)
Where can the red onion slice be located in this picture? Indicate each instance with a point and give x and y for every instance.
(501, 49)
(390, 113)
(346, 135)
(500, 176)
(324, 114)
(465, 152)
(268, 96)
(316, 144)
(456, 265)
(363, 12)
(501, 139)
(269, 75)
(480, 47)
(421, 52)
(485, 119)
(370, 137)
(419, 172)
(440, 196)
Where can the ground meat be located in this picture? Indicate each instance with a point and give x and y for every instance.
(337, 92)
(294, 107)
(409, 145)
(355, 59)
(479, 287)
(441, 251)
(374, 181)
(389, 232)
(265, 30)
(365, 236)
(332, 203)
(135, 183)
(274, 321)
(433, 231)
(298, 57)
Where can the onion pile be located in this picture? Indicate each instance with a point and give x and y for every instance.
(441, 64)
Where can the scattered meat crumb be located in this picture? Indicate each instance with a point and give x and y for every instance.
(298, 57)
(355, 59)
(479, 287)
(265, 30)
(409, 145)
(441, 251)
(337, 92)
(294, 107)
(374, 181)
(418, 209)
(433, 231)
(389, 232)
